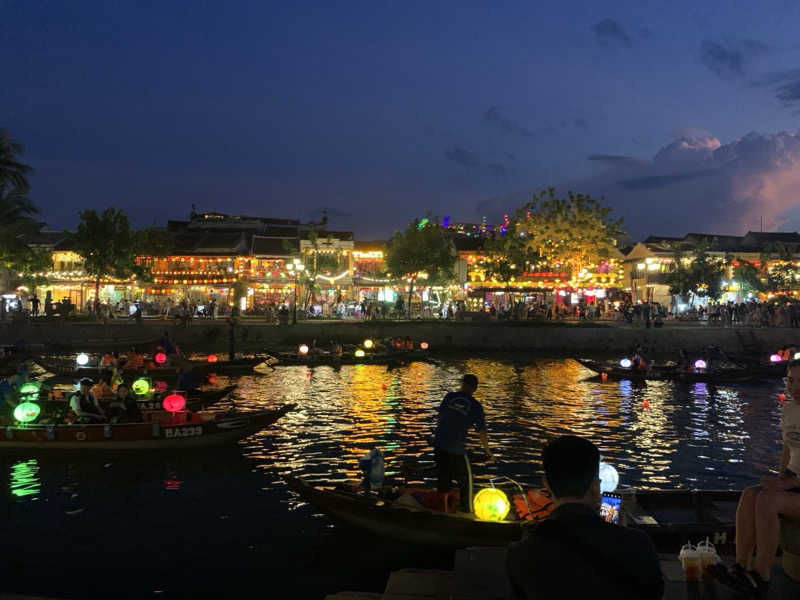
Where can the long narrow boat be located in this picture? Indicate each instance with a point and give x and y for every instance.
(212, 431)
(349, 358)
(614, 371)
(68, 367)
(669, 517)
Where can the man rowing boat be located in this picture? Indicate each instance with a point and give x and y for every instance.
(458, 412)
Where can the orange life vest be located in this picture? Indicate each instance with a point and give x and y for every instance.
(539, 505)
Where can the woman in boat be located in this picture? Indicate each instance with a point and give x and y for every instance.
(761, 506)
(124, 408)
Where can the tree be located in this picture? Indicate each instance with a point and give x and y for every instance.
(748, 276)
(504, 256)
(573, 232)
(30, 265)
(13, 173)
(108, 246)
(421, 248)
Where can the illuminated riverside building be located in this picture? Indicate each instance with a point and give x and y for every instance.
(648, 264)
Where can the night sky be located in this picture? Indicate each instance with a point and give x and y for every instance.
(683, 114)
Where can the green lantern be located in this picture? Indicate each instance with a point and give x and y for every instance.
(32, 387)
(141, 386)
(27, 412)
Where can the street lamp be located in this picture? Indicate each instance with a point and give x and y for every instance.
(295, 267)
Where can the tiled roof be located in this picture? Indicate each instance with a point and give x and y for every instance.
(262, 246)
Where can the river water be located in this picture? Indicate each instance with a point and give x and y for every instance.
(222, 522)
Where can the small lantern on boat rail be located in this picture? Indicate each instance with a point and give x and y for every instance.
(82, 359)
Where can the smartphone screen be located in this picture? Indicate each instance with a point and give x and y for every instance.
(610, 508)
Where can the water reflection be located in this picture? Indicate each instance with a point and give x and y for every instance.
(24, 479)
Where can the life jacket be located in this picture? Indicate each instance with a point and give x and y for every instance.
(107, 359)
(138, 361)
(538, 507)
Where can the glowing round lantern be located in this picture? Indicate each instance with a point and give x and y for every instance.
(82, 359)
(700, 364)
(212, 358)
(609, 478)
(303, 349)
(491, 504)
(423, 345)
(141, 386)
(797, 355)
(359, 353)
(27, 412)
(625, 363)
(32, 387)
(161, 386)
(368, 344)
(174, 403)
(160, 358)
(775, 358)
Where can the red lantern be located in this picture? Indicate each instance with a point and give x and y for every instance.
(161, 386)
(174, 403)
(160, 358)
(212, 358)
(424, 345)
(782, 397)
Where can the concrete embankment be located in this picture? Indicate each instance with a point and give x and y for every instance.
(527, 338)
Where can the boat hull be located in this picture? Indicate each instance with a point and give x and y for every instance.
(394, 358)
(68, 368)
(669, 374)
(139, 436)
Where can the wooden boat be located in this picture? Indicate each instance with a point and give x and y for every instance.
(68, 367)
(213, 430)
(669, 517)
(656, 373)
(349, 358)
(103, 345)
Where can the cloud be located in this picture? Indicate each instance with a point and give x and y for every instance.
(728, 58)
(785, 85)
(463, 157)
(609, 31)
(694, 184)
(494, 117)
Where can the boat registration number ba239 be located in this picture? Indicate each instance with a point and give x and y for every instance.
(179, 432)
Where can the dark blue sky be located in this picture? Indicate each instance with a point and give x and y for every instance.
(683, 114)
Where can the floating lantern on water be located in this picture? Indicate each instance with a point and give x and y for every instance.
(491, 504)
(359, 353)
(423, 345)
(603, 376)
(160, 358)
(700, 364)
(609, 478)
(782, 397)
(775, 358)
(645, 403)
(26, 412)
(625, 363)
(212, 358)
(141, 386)
(174, 402)
(383, 386)
(303, 349)
(82, 359)
(368, 344)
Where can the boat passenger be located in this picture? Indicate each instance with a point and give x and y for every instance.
(135, 360)
(103, 388)
(388, 343)
(639, 360)
(760, 507)
(568, 554)
(84, 404)
(124, 408)
(409, 345)
(457, 413)
(107, 360)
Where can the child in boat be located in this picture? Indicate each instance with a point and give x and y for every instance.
(760, 507)
(123, 407)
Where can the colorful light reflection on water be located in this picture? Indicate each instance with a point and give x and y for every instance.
(227, 511)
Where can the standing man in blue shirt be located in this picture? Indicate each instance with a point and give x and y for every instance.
(458, 412)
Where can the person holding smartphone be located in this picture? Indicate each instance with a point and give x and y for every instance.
(575, 553)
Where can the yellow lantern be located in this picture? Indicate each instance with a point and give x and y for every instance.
(368, 344)
(359, 353)
(491, 504)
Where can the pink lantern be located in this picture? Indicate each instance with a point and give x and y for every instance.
(174, 403)
(160, 358)
(424, 345)
(212, 358)
(775, 358)
(161, 386)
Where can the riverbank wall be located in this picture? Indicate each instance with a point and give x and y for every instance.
(518, 338)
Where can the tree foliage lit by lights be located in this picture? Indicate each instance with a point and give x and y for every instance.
(784, 272)
(572, 232)
(421, 247)
(107, 245)
(702, 277)
(504, 257)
